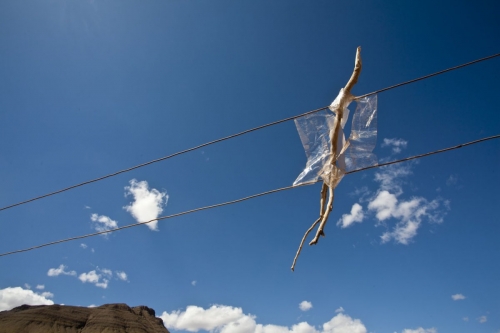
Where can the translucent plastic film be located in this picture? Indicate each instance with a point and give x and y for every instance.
(314, 131)
(363, 136)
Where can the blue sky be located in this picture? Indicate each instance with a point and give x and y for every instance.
(92, 87)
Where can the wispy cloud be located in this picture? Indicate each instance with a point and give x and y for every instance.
(147, 205)
(122, 275)
(103, 223)
(47, 294)
(101, 277)
(228, 319)
(83, 245)
(60, 270)
(420, 330)
(452, 180)
(391, 177)
(401, 217)
(457, 297)
(305, 306)
(397, 145)
(40, 287)
(193, 283)
(482, 319)
(12, 297)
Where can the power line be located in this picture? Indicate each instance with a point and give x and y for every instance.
(245, 198)
(239, 134)
(430, 75)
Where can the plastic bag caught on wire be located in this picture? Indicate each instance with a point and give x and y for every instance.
(363, 138)
(314, 131)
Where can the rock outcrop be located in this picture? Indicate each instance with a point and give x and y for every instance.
(106, 318)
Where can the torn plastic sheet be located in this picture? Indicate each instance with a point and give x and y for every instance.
(314, 131)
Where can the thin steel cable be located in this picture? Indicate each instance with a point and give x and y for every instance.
(245, 198)
(429, 75)
(162, 158)
(237, 134)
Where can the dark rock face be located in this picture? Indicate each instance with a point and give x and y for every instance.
(106, 318)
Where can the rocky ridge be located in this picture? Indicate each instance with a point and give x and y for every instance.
(116, 318)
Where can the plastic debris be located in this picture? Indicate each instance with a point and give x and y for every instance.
(355, 153)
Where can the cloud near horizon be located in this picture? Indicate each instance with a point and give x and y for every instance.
(12, 297)
(147, 205)
(228, 319)
(420, 330)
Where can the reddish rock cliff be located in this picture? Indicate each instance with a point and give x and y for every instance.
(114, 318)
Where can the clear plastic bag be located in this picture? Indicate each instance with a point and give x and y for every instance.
(314, 131)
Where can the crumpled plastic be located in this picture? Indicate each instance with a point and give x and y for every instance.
(315, 132)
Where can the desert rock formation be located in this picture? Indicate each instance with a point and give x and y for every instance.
(116, 318)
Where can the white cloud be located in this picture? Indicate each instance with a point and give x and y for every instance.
(228, 319)
(356, 215)
(341, 309)
(193, 282)
(122, 275)
(40, 286)
(103, 223)
(92, 306)
(91, 277)
(409, 213)
(17, 296)
(103, 284)
(396, 144)
(196, 318)
(47, 294)
(305, 305)
(342, 323)
(457, 297)
(401, 217)
(95, 278)
(83, 246)
(483, 319)
(27, 286)
(60, 270)
(420, 330)
(106, 272)
(390, 177)
(387, 204)
(147, 204)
